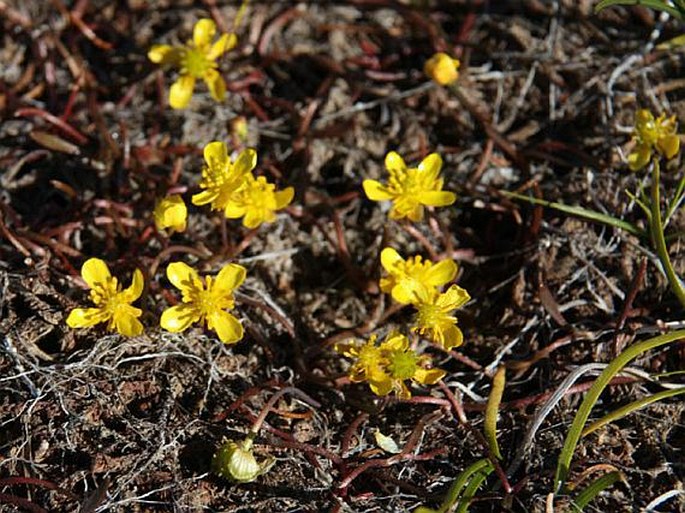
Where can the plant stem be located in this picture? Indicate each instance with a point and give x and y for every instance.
(272, 401)
(656, 228)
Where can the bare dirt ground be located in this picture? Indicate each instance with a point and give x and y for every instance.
(87, 144)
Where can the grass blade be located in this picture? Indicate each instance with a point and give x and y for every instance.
(593, 394)
(595, 488)
(458, 486)
(631, 407)
(659, 5)
(583, 213)
(472, 488)
(492, 410)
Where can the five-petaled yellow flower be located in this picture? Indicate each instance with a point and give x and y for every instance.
(653, 134)
(205, 300)
(231, 187)
(410, 188)
(386, 367)
(433, 318)
(221, 177)
(112, 305)
(196, 60)
(257, 201)
(442, 69)
(411, 279)
(171, 213)
(404, 364)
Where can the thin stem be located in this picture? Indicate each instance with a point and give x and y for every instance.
(271, 402)
(657, 231)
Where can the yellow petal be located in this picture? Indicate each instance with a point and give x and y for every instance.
(382, 387)
(254, 218)
(86, 317)
(452, 336)
(414, 212)
(669, 145)
(181, 92)
(246, 161)
(229, 278)
(171, 212)
(126, 321)
(395, 342)
(408, 291)
(215, 83)
(178, 318)
(216, 156)
(437, 198)
(134, 291)
(454, 297)
(184, 278)
(394, 163)
(441, 273)
(431, 165)
(391, 259)
(204, 197)
(442, 69)
(234, 210)
(226, 326)
(225, 43)
(203, 32)
(376, 191)
(284, 197)
(639, 157)
(429, 376)
(164, 54)
(95, 272)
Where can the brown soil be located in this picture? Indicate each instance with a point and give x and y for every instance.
(328, 88)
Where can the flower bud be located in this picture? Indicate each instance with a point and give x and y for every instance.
(442, 69)
(171, 212)
(235, 462)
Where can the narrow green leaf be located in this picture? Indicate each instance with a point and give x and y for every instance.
(583, 213)
(595, 488)
(457, 487)
(659, 5)
(631, 407)
(492, 410)
(574, 433)
(472, 488)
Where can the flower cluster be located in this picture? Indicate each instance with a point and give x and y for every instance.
(652, 135)
(202, 301)
(387, 367)
(410, 189)
(231, 187)
(417, 282)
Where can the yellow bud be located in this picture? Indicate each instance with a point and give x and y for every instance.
(239, 128)
(235, 462)
(171, 212)
(442, 69)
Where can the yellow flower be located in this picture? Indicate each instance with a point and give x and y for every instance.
(205, 300)
(651, 134)
(404, 364)
(171, 212)
(410, 188)
(442, 69)
(434, 320)
(196, 60)
(406, 277)
(221, 178)
(257, 201)
(113, 305)
(369, 365)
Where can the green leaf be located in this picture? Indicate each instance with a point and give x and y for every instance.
(472, 488)
(492, 410)
(575, 432)
(631, 407)
(595, 488)
(455, 491)
(583, 213)
(659, 5)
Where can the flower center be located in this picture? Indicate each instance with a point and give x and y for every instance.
(403, 365)
(195, 63)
